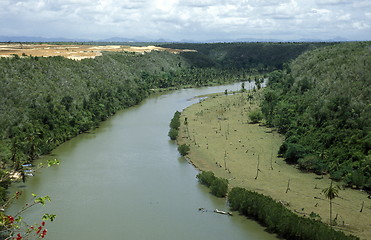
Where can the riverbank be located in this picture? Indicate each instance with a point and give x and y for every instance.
(223, 141)
(127, 158)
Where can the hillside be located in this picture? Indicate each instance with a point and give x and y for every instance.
(321, 103)
(45, 101)
(258, 57)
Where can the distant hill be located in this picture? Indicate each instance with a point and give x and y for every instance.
(37, 39)
(118, 39)
(260, 56)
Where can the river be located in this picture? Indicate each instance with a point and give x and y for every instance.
(126, 180)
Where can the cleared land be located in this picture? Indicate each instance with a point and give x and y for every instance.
(76, 52)
(223, 141)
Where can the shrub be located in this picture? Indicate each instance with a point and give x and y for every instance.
(308, 162)
(173, 133)
(174, 126)
(294, 152)
(183, 149)
(283, 149)
(175, 122)
(206, 178)
(218, 186)
(256, 116)
(312, 163)
(357, 179)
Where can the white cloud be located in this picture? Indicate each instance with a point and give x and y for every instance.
(361, 25)
(180, 19)
(334, 2)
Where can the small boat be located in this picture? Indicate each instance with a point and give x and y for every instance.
(223, 212)
(27, 165)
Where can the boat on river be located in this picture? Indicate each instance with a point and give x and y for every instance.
(223, 212)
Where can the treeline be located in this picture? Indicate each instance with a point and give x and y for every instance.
(174, 126)
(270, 213)
(217, 185)
(46, 101)
(257, 57)
(321, 103)
(280, 220)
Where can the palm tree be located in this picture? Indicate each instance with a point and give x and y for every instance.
(331, 192)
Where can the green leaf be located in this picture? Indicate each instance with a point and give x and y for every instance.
(53, 162)
(42, 200)
(50, 217)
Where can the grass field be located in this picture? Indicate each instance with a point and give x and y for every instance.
(223, 141)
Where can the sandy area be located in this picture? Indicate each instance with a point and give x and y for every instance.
(76, 52)
(223, 141)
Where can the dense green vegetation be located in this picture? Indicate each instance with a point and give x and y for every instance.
(183, 149)
(278, 219)
(321, 102)
(46, 101)
(174, 126)
(218, 186)
(255, 57)
(255, 116)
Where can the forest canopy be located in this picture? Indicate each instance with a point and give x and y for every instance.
(321, 103)
(45, 101)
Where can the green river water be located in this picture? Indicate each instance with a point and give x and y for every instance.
(126, 180)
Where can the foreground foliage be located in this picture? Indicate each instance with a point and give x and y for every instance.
(14, 227)
(321, 102)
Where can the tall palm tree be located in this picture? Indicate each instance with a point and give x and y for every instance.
(331, 192)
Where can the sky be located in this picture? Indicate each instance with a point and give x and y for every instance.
(188, 20)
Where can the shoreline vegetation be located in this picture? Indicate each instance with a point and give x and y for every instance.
(45, 101)
(48, 99)
(223, 140)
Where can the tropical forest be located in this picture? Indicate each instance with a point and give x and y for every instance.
(310, 100)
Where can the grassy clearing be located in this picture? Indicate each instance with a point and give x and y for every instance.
(223, 140)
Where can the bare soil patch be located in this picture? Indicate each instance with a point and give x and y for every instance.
(76, 52)
(223, 141)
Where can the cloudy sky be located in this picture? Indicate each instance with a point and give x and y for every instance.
(198, 20)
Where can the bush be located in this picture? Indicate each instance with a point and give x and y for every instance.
(314, 163)
(175, 122)
(206, 178)
(174, 126)
(184, 149)
(294, 152)
(308, 162)
(173, 134)
(218, 186)
(356, 178)
(255, 116)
